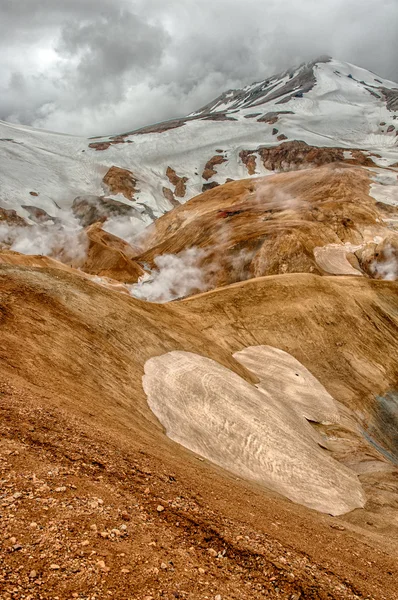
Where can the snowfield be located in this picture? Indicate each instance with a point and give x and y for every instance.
(328, 103)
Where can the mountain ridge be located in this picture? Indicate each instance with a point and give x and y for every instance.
(59, 168)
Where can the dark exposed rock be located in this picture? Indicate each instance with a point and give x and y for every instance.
(219, 116)
(289, 156)
(99, 145)
(210, 186)
(372, 93)
(158, 127)
(272, 117)
(11, 217)
(301, 80)
(391, 97)
(93, 209)
(38, 215)
(248, 158)
(169, 195)
(178, 182)
(121, 181)
(209, 169)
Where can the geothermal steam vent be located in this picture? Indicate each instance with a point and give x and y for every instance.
(258, 434)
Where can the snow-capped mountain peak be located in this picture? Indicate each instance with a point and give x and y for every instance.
(323, 103)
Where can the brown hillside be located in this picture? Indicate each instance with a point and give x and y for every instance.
(106, 503)
(273, 225)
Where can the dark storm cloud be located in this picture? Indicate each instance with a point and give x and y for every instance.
(97, 66)
(111, 44)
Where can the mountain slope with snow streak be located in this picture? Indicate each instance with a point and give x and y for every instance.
(323, 103)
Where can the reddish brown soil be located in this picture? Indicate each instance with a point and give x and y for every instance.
(97, 502)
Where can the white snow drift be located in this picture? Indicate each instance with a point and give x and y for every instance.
(257, 434)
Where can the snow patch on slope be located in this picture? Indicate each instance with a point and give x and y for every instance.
(215, 413)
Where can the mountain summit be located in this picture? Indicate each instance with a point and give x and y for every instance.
(323, 103)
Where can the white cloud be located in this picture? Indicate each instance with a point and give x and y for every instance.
(103, 66)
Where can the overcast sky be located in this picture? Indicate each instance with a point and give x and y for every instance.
(105, 66)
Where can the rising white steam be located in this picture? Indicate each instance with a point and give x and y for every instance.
(63, 240)
(129, 229)
(388, 268)
(175, 276)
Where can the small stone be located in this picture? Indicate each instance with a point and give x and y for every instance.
(33, 574)
(123, 527)
(163, 565)
(218, 597)
(17, 495)
(33, 525)
(125, 570)
(85, 543)
(61, 489)
(54, 567)
(104, 534)
(103, 566)
(13, 540)
(338, 527)
(160, 508)
(212, 552)
(201, 571)
(17, 547)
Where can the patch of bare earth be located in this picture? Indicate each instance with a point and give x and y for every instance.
(121, 181)
(96, 501)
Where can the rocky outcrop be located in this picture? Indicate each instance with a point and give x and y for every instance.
(296, 154)
(391, 97)
(11, 217)
(121, 181)
(248, 158)
(178, 182)
(273, 117)
(99, 145)
(92, 209)
(209, 186)
(105, 144)
(38, 215)
(169, 195)
(209, 170)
